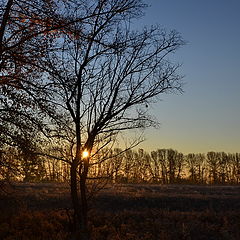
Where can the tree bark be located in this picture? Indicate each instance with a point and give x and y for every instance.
(74, 197)
(84, 209)
(79, 204)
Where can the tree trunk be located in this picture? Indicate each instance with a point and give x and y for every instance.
(84, 206)
(79, 204)
(84, 209)
(75, 198)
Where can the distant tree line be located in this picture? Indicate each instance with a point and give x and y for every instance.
(163, 166)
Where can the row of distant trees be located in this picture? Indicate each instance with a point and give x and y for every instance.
(164, 166)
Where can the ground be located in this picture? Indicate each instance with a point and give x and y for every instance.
(123, 212)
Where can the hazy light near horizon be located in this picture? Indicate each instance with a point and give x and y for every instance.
(206, 117)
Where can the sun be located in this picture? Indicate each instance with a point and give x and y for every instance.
(85, 153)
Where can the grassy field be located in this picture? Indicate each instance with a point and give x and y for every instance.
(123, 212)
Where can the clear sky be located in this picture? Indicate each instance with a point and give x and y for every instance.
(206, 117)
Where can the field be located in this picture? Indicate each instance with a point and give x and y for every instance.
(123, 212)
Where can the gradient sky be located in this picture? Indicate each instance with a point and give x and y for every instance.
(206, 117)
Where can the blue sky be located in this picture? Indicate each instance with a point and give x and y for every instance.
(206, 117)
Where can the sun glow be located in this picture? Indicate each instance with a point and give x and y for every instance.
(85, 153)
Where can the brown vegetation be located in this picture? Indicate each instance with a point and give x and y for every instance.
(124, 211)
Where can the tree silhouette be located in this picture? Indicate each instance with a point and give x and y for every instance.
(89, 79)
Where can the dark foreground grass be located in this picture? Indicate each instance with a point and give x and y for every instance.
(124, 212)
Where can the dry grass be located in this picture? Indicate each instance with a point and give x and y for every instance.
(124, 212)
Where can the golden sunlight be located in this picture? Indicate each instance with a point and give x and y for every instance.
(85, 153)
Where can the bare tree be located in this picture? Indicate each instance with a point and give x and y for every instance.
(234, 171)
(191, 160)
(213, 165)
(97, 79)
